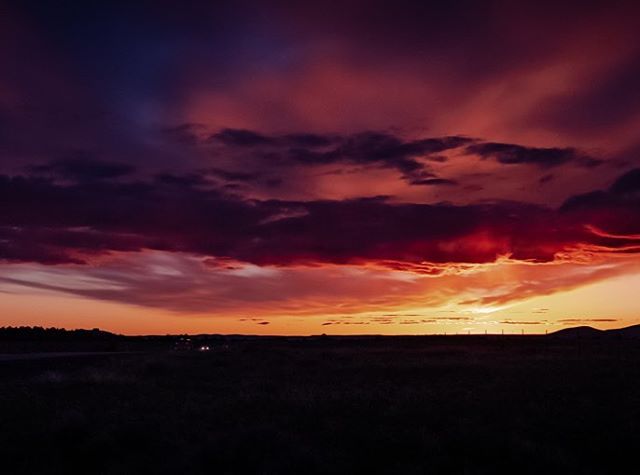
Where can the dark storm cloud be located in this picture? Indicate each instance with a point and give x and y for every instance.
(46, 218)
(410, 157)
(625, 187)
(242, 138)
(83, 168)
(309, 140)
(434, 181)
(627, 183)
(615, 209)
(384, 150)
(366, 148)
(190, 179)
(512, 154)
(249, 138)
(51, 223)
(233, 176)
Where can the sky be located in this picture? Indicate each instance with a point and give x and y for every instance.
(315, 167)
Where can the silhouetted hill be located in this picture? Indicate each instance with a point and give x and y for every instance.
(627, 332)
(590, 332)
(39, 339)
(54, 334)
(575, 332)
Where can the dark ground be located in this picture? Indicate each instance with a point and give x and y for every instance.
(396, 405)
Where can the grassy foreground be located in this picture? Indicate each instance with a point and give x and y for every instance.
(382, 405)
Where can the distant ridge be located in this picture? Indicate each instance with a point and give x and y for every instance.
(627, 332)
(54, 334)
(584, 331)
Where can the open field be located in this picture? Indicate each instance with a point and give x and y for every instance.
(470, 405)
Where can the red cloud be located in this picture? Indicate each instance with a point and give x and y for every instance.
(46, 222)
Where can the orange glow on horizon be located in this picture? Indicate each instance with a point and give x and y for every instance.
(604, 303)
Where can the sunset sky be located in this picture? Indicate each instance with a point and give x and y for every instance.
(316, 167)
